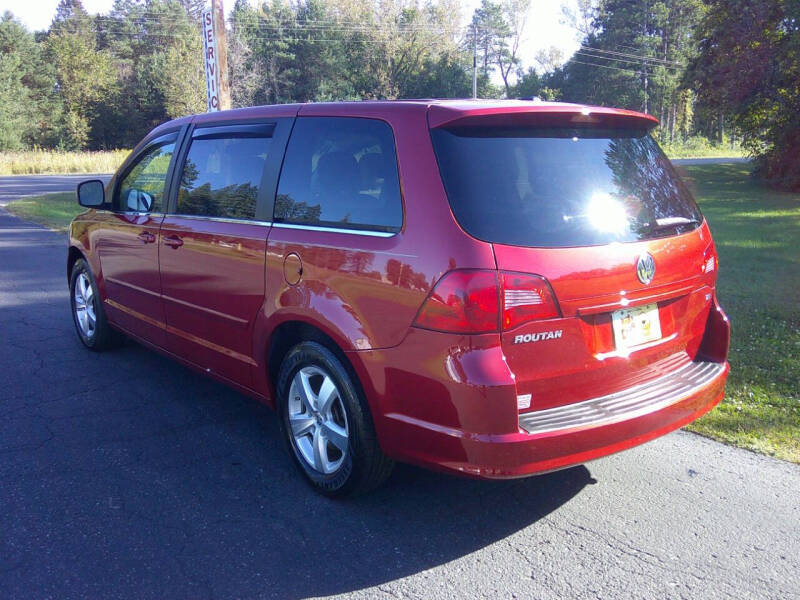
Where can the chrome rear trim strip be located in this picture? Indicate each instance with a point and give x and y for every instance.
(627, 404)
(221, 219)
(368, 232)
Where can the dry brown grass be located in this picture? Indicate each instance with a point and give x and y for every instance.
(35, 162)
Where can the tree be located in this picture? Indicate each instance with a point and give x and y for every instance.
(106, 80)
(634, 55)
(499, 27)
(515, 13)
(442, 77)
(194, 8)
(583, 17)
(156, 50)
(83, 73)
(749, 67)
(314, 50)
(14, 96)
(489, 24)
(550, 59)
(26, 90)
(529, 84)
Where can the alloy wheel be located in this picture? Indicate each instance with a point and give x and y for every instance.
(317, 420)
(84, 305)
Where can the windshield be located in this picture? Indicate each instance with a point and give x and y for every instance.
(562, 187)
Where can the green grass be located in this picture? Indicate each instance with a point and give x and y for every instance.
(702, 151)
(29, 162)
(757, 233)
(51, 210)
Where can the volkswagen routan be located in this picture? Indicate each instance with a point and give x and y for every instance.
(492, 289)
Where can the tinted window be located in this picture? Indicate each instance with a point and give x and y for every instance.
(562, 187)
(221, 177)
(142, 188)
(340, 172)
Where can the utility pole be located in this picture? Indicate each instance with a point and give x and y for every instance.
(645, 86)
(644, 51)
(474, 61)
(216, 58)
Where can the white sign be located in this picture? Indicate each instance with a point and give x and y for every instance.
(212, 66)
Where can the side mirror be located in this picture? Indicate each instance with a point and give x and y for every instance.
(91, 194)
(139, 201)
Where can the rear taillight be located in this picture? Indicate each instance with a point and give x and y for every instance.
(526, 298)
(709, 259)
(462, 302)
(485, 302)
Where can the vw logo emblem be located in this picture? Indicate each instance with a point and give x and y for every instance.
(645, 268)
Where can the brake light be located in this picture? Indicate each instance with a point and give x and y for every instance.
(480, 302)
(526, 298)
(462, 302)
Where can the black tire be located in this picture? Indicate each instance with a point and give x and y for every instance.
(102, 336)
(364, 466)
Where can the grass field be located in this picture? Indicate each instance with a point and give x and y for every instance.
(757, 232)
(31, 162)
(51, 210)
(680, 151)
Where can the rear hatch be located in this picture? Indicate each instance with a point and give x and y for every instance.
(591, 205)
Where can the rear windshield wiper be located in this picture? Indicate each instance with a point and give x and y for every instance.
(669, 222)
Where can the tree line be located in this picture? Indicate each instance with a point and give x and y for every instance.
(711, 68)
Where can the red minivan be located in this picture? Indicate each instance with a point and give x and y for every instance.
(495, 289)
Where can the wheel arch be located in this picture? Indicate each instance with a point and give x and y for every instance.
(73, 256)
(288, 334)
(291, 332)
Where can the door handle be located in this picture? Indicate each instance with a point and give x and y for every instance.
(173, 241)
(147, 237)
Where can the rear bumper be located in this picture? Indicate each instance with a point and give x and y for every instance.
(455, 410)
(625, 405)
(547, 449)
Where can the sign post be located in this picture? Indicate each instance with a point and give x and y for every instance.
(212, 66)
(217, 91)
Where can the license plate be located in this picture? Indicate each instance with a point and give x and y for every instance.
(635, 326)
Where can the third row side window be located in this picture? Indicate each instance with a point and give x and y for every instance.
(340, 172)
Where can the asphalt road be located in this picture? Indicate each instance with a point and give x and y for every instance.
(124, 475)
(16, 186)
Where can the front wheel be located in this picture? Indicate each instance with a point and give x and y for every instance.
(327, 424)
(87, 310)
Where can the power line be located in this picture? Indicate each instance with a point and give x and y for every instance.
(291, 25)
(626, 60)
(606, 67)
(639, 57)
(266, 39)
(293, 28)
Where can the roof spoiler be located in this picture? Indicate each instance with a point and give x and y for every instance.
(539, 115)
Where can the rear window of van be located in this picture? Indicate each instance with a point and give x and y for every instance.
(562, 187)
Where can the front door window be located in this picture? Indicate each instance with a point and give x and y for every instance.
(142, 189)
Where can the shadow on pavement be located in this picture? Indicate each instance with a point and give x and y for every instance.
(125, 475)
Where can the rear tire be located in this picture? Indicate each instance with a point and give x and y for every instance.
(88, 315)
(327, 424)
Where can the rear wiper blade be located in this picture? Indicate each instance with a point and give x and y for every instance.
(667, 222)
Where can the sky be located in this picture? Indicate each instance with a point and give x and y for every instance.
(543, 29)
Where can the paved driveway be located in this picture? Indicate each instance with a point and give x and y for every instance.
(125, 475)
